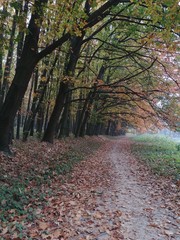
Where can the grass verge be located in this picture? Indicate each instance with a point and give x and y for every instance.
(160, 153)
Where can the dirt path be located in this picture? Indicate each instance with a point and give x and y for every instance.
(109, 196)
(144, 216)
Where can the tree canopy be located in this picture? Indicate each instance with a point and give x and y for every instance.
(87, 67)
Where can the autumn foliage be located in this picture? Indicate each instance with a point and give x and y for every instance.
(87, 67)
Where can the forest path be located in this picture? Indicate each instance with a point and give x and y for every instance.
(108, 196)
(145, 215)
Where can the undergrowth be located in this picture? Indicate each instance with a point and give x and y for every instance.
(21, 194)
(160, 153)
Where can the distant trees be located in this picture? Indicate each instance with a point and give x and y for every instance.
(86, 67)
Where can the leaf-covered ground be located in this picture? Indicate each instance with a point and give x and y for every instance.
(107, 195)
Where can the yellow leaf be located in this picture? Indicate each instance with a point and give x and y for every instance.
(43, 79)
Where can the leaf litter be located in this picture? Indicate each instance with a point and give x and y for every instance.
(108, 195)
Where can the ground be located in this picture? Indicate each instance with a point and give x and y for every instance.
(109, 195)
(145, 212)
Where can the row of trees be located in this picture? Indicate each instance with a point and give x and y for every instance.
(86, 67)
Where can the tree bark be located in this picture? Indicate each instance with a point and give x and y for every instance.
(2, 37)
(74, 50)
(30, 57)
(80, 131)
(51, 128)
(65, 121)
(22, 76)
(9, 59)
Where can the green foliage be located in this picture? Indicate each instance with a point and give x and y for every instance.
(160, 153)
(16, 5)
(12, 197)
(15, 198)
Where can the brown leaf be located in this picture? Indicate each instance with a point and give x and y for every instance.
(118, 213)
(33, 234)
(43, 225)
(98, 215)
(73, 203)
(4, 231)
(153, 225)
(57, 233)
(168, 233)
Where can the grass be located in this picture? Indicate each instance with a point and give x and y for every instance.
(160, 153)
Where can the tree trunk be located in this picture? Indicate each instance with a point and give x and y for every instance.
(37, 101)
(13, 102)
(2, 37)
(108, 127)
(40, 121)
(21, 35)
(30, 58)
(87, 113)
(74, 50)
(65, 121)
(1, 68)
(80, 131)
(9, 58)
(18, 127)
(51, 128)
(22, 76)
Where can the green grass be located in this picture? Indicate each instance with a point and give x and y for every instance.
(160, 153)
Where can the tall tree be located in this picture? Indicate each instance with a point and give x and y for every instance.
(29, 59)
(45, 33)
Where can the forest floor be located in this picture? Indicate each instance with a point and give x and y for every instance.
(109, 195)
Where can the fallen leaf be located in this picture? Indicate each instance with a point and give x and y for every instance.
(153, 225)
(33, 234)
(73, 203)
(168, 233)
(118, 213)
(98, 215)
(57, 233)
(43, 225)
(4, 231)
